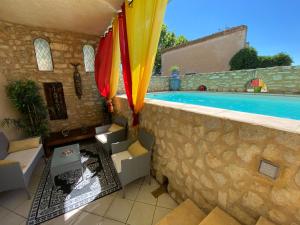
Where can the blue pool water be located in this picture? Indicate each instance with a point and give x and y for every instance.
(285, 106)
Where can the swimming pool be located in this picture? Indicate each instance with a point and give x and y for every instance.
(284, 106)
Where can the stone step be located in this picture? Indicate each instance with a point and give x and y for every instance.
(218, 217)
(187, 213)
(264, 221)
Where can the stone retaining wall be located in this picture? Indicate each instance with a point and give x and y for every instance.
(215, 161)
(285, 79)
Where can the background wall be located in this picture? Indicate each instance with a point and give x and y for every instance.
(17, 61)
(214, 161)
(285, 79)
(209, 54)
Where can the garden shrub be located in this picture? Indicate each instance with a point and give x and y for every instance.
(247, 58)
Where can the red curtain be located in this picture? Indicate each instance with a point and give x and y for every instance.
(126, 63)
(103, 62)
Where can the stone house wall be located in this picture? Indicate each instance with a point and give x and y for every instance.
(18, 61)
(214, 161)
(285, 79)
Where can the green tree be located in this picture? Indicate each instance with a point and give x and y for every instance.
(167, 40)
(246, 58)
(282, 59)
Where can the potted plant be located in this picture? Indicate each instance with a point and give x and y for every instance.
(24, 95)
(175, 71)
(175, 79)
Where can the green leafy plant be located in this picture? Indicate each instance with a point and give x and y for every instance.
(24, 95)
(167, 40)
(174, 69)
(247, 58)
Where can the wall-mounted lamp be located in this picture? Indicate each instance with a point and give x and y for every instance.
(268, 169)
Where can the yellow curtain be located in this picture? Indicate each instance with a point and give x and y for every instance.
(116, 59)
(144, 20)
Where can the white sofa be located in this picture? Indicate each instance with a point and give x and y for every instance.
(17, 167)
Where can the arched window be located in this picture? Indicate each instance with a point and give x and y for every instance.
(88, 58)
(43, 54)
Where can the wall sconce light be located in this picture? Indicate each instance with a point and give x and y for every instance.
(268, 169)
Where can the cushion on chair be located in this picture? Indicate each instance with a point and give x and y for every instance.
(25, 158)
(118, 157)
(6, 162)
(102, 138)
(136, 149)
(3, 145)
(115, 127)
(20, 145)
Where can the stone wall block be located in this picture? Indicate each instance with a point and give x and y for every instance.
(247, 152)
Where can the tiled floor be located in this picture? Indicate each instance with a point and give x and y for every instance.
(139, 207)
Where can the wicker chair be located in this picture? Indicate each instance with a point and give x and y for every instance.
(131, 167)
(16, 168)
(111, 133)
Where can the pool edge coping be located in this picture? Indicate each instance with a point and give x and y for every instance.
(283, 124)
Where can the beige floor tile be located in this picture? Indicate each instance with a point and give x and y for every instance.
(24, 223)
(146, 196)
(86, 218)
(99, 206)
(159, 214)
(139, 181)
(110, 222)
(119, 209)
(3, 212)
(152, 186)
(131, 191)
(12, 219)
(67, 218)
(24, 208)
(166, 201)
(141, 214)
(12, 199)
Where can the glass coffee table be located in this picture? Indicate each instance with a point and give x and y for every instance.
(64, 159)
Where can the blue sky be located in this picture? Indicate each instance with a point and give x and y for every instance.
(273, 25)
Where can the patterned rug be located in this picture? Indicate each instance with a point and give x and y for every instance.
(73, 190)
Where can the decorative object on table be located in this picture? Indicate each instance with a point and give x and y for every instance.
(67, 152)
(65, 132)
(84, 129)
(25, 96)
(77, 80)
(55, 98)
(175, 79)
(99, 179)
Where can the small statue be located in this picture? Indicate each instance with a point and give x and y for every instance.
(77, 80)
